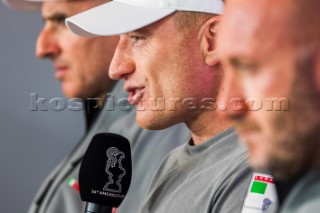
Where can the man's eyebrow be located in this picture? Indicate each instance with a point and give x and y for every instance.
(234, 60)
(144, 30)
(58, 16)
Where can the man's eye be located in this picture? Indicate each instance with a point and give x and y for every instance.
(57, 20)
(60, 21)
(244, 65)
(136, 38)
(247, 67)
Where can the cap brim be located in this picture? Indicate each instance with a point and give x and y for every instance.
(114, 18)
(23, 5)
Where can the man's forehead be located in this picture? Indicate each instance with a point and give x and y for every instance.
(261, 11)
(250, 29)
(237, 23)
(253, 19)
(243, 11)
(67, 7)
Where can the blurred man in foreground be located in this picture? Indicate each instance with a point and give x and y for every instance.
(271, 54)
(81, 65)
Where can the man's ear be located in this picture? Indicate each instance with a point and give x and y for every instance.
(207, 35)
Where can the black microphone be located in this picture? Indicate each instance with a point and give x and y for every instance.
(105, 173)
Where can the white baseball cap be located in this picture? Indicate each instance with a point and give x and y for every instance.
(122, 16)
(23, 5)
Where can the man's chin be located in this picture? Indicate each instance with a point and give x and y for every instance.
(155, 120)
(146, 122)
(258, 153)
(271, 165)
(258, 161)
(69, 90)
(286, 170)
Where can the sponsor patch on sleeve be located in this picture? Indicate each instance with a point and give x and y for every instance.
(261, 195)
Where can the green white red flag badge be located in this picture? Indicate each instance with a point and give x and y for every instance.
(261, 196)
(73, 183)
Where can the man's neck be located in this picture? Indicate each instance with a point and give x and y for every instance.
(207, 125)
(284, 187)
(93, 107)
(101, 100)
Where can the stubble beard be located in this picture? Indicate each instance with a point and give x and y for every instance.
(296, 137)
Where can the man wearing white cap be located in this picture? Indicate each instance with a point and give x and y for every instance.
(81, 65)
(167, 57)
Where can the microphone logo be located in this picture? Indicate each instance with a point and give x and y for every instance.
(114, 170)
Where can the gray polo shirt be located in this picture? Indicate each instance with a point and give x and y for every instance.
(211, 177)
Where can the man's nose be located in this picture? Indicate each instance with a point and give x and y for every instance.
(122, 63)
(47, 45)
(231, 98)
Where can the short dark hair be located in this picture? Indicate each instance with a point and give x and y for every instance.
(186, 19)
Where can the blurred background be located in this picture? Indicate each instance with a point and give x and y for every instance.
(32, 142)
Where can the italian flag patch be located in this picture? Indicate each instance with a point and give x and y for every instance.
(261, 194)
(73, 183)
(260, 184)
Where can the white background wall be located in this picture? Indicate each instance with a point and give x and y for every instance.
(31, 142)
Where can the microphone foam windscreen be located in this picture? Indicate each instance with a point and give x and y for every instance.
(106, 169)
